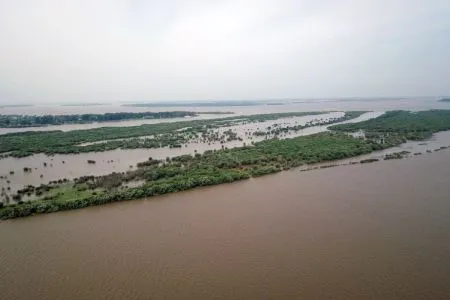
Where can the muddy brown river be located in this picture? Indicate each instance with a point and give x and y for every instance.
(374, 231)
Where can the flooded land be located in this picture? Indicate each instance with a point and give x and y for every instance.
(357, 209)
(375, 231)
(182, 155)
(120, 160)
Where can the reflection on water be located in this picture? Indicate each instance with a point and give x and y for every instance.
(377, 231)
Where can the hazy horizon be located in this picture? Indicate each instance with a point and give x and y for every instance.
(193, 101)
(144, 51)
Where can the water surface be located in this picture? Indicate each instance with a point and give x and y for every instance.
(377, 231)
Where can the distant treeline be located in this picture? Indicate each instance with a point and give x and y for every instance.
(412, 125)
(84, 104)
(15, 105)
(17, 121)
(197, 104)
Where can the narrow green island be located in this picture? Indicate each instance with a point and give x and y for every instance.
(404, 124)
(444, 100)
(156, 177)
(20, 121)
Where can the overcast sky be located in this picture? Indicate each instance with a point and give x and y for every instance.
(136, 50)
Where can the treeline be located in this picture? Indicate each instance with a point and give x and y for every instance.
(187, 172)
(413, 125)
(17, 121)
(52, 142)
(396, 127)
(196, 103)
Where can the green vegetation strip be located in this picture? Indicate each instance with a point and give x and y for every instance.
(18, 121)
(52, 142)
(413, 125)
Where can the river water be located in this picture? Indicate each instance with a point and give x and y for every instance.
(374, 231)
(371, 231)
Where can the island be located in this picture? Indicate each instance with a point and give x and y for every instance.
(20, 121)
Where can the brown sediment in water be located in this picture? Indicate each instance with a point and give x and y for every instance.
(373, 231)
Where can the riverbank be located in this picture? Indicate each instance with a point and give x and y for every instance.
(354, 232)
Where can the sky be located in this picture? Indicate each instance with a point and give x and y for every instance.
(55, 51)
